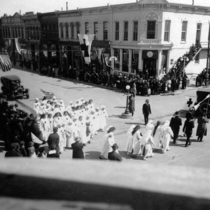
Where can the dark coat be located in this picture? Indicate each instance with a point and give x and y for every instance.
(53, 141)
(202, 127)
(175, 124)
(146, 109)
(13, 153)
(188, 127)
(77, 148)
(131, 104)
(114, 156)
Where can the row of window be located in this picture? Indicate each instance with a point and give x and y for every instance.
(151, 30)
(13, 32)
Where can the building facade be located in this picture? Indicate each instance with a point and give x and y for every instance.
(143, 35)
(12, 28)
(49, 46)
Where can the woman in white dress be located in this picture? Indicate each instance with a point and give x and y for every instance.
(148, 138)
(109, 141)
(129, 143)
(167, 135)
(137, 141)
(157, 135)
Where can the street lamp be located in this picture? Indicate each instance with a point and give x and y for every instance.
(127, 113)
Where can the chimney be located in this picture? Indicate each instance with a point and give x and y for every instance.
(66, 6)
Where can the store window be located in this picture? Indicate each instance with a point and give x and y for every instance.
(105, 27)
(86, 28)
(117, 62)
(125, 60)
(135, 61)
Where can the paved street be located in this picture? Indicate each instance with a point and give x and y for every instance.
(162, 108)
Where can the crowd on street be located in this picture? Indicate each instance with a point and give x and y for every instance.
(54, 127)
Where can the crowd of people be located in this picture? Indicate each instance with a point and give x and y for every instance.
(54, 127)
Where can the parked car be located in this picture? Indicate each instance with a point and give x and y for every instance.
(12, 88)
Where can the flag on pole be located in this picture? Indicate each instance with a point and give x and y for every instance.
(189, 102)
(85, 44)
(5, 62)
(35, 139)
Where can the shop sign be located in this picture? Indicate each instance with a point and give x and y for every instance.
(147, 54)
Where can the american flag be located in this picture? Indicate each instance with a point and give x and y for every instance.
(5, 62)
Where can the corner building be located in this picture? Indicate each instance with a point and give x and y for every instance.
(147, 34)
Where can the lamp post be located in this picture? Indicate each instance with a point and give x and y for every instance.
(127, 113)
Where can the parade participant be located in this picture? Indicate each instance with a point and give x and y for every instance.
(77, 148)
(62, 137)
(103, 117)
(69, 107)
(167, 135)
(137, 141)
(157, 135)
(113, 155)
(44, 127)
(82, 130)
(146, 109)
(129, 143)
(175, 124)
(188, 128)
(14, 151)
(108, 143)
(148, 141)
(37, 106)
(69, 134)
(202, 127)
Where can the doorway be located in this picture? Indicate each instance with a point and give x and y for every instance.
(150, 65)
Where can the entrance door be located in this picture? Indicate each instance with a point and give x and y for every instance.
(150, 65)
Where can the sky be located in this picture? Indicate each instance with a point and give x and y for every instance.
(10, 7)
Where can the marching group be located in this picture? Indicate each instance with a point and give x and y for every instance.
(56, 127)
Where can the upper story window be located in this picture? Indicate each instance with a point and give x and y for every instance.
(126, 31)
(105, 27)
(167, 30)
(135, 30)
(151, 27)
(77, 28)
(67, 30)
(61, 26)
(86, 28)
(198, 32)
(96, 30)
(72, 30)
(184, 31)
(117, 30)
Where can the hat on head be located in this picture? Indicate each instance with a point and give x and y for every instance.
(110, 129)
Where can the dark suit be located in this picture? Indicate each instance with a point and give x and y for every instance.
(175, 124)
(114, 156)
(77, 148)
(146, 109)
(53, 141)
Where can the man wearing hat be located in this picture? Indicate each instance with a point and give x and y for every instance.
(113, 155)
(146, 109)
(14, 150)
(77, 148)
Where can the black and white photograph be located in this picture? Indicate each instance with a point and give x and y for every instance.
(104, 105)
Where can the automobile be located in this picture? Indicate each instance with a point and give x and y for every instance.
(202, 104)
(12, 88)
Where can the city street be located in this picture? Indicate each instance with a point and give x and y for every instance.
(163, 107)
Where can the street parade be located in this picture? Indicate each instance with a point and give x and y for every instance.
(105, 106)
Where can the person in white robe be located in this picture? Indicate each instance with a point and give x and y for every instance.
(103, 117)
(137, 141)
(43, 127)
(167, 136)
(129, 143)
(157, 135)
(62, 137)
(37, 106)
(69, 133)
(148, 139)
(82, 130)
(109, 141)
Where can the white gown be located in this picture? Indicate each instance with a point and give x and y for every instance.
(129, 144)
